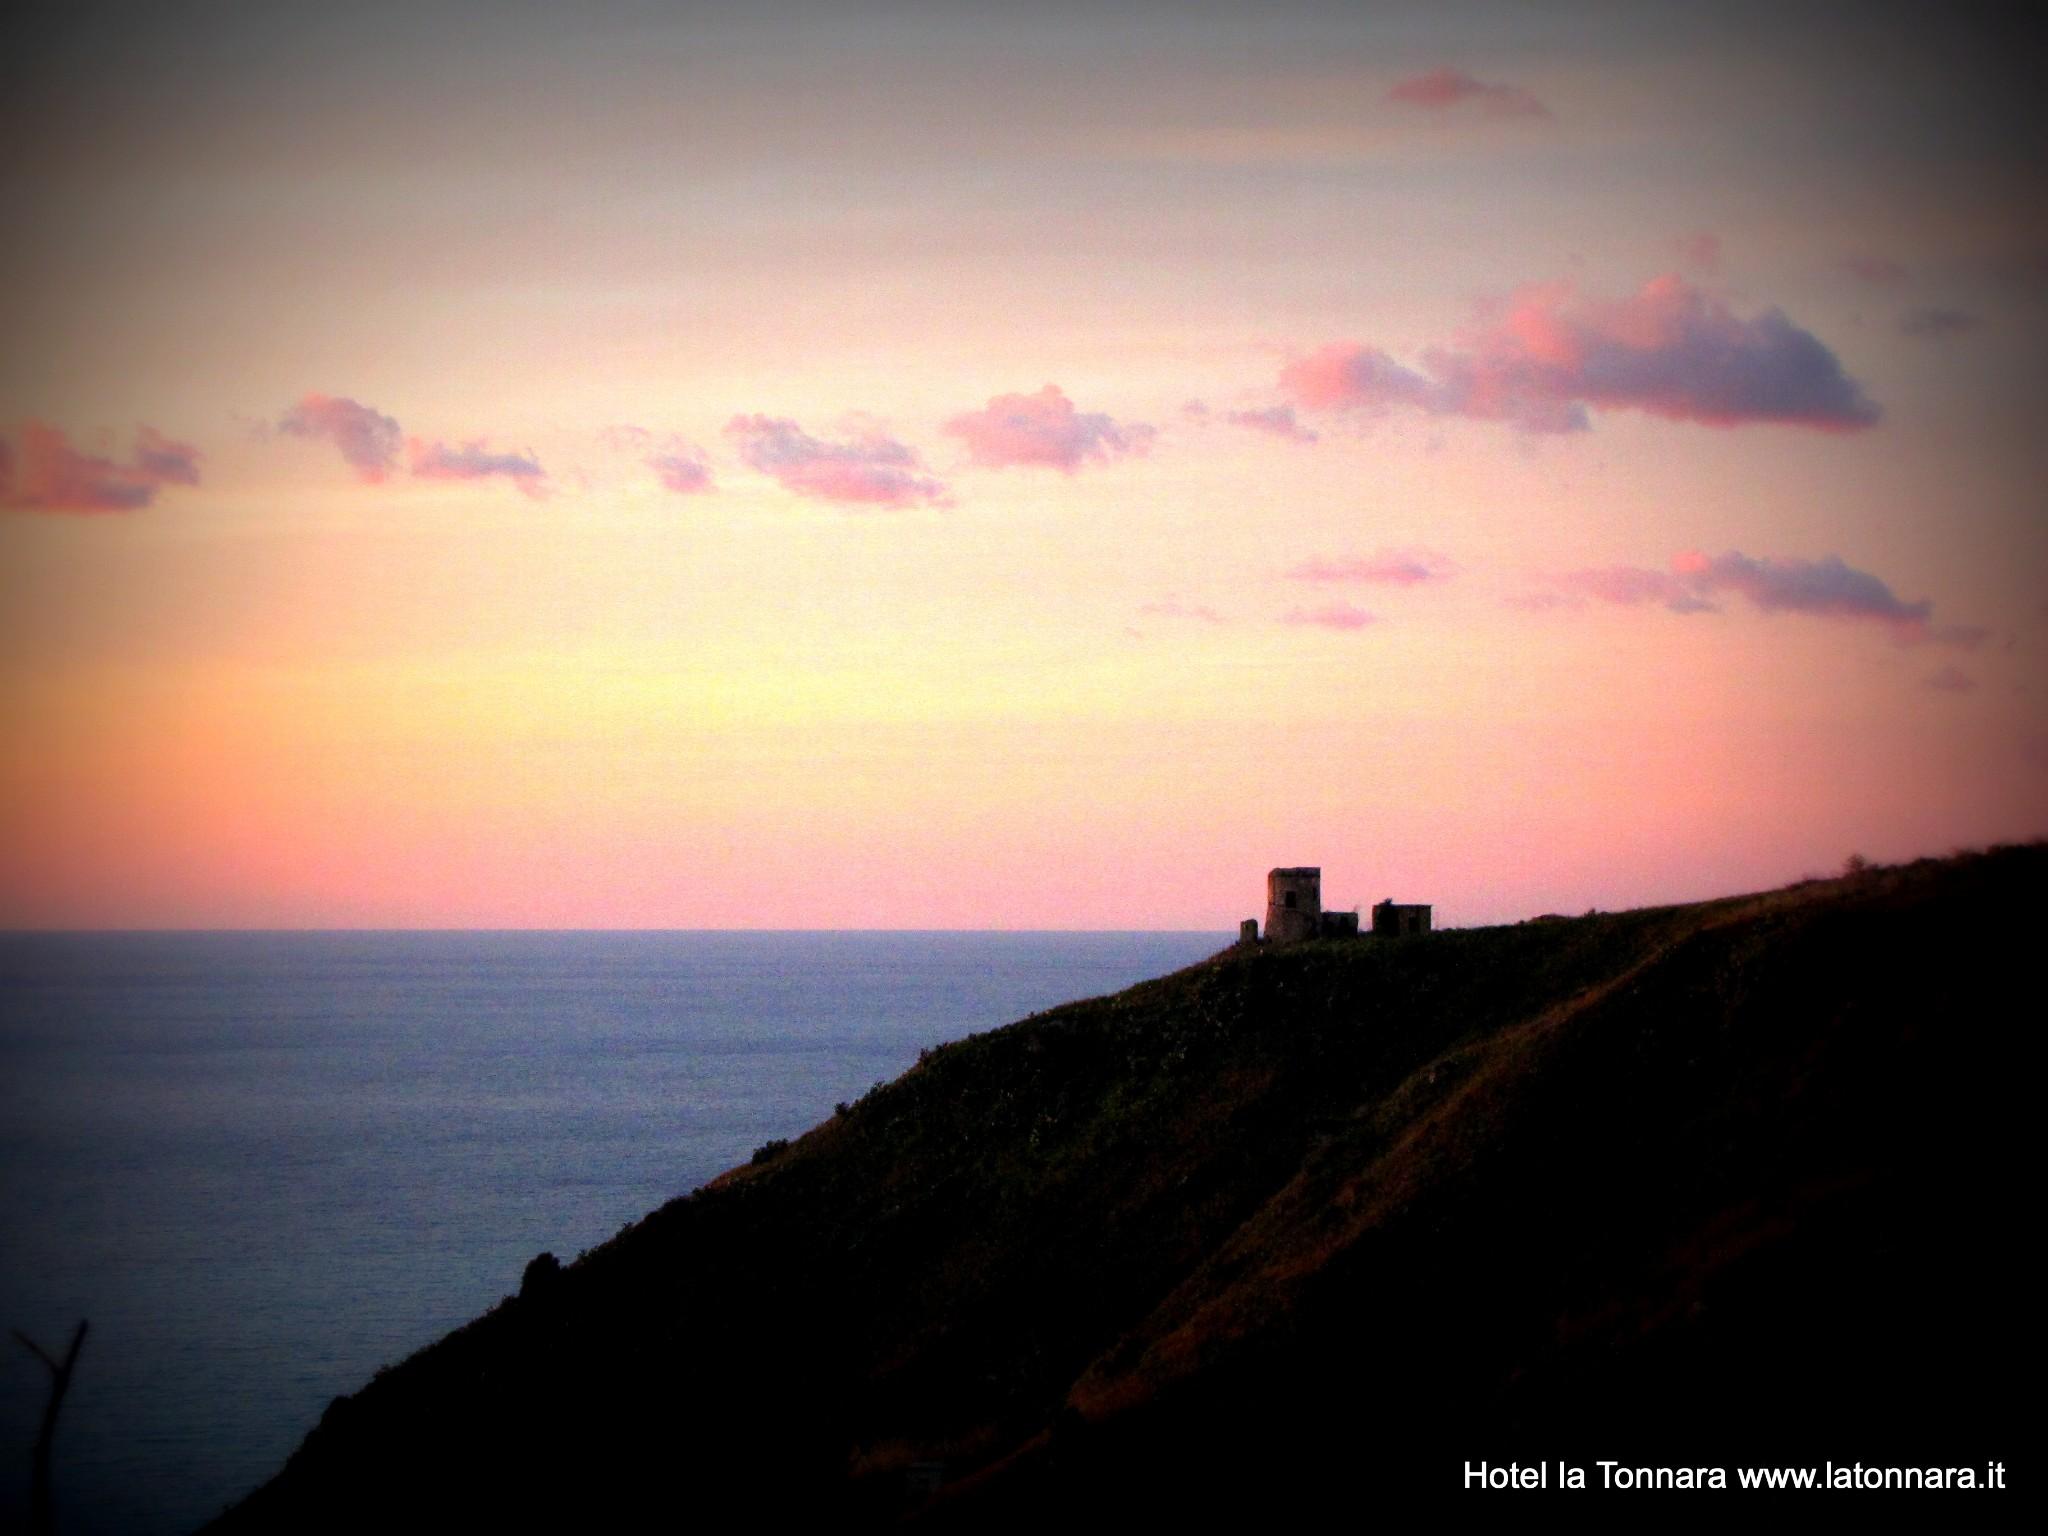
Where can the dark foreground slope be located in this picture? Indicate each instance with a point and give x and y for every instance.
(1736, 1182)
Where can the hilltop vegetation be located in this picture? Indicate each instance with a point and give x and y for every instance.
(1734, 1179)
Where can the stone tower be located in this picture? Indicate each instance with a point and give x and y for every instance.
(1294, 904)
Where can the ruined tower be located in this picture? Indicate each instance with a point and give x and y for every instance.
(1294, 904)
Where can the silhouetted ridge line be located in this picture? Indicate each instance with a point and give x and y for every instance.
(1730, 1181)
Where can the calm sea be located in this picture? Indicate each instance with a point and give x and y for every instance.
(263, 1165)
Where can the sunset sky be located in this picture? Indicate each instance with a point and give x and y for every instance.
(995, 466)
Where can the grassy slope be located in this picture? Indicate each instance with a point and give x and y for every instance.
(1733, 1176)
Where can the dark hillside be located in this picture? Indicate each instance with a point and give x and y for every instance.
(1735, 1181)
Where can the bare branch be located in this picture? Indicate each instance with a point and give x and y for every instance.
(34, 1348)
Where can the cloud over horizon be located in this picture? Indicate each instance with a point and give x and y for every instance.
(1045, 430)
(1550, 356)
(46, 473)
(1443, 88)
(871, 470)
(367, 439)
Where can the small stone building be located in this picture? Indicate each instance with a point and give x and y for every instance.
(1396, 918)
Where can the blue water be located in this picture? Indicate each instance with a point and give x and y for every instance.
(264, 1165)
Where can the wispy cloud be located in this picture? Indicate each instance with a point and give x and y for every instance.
(680, 465)
(684, 472)
(165, 462)
(1543, 600)
(1388, 567)
(43, 472)
(1700, 250)
(1174, 608)
(1878, 271)
(2026, 270)
(1635, 584)
(1274, 420)
(475, 460)
(870, 470)
(368, 439)
(1935, 321)
(1950, 679)
(1550, 356)
(1332, 616)
(1044, 429)
(1445, 89)
(370, 443)
(1827, 588)
(1277, 421)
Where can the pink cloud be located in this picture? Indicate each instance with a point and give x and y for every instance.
(1044, 429)
(871, 470)
(1827, 588)
(369, 440)
(1549, 356)
(474, 460)
(1440, 90)
(45, 473)
(1389, 567)
(1279, 420)
(1332, 616)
